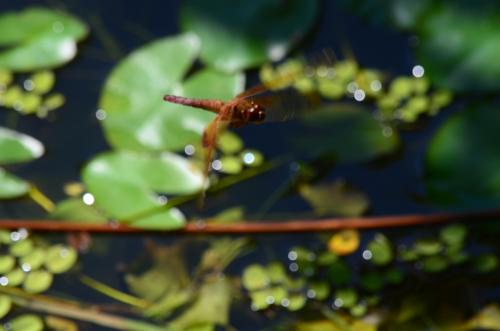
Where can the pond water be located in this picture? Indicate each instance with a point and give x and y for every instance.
(393, 184)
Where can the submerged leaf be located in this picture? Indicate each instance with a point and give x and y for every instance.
(453, 174)
(240, 34)
(346, 133)
(211, 306)
(337, 198)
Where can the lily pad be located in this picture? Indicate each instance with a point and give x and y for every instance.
(38, 38)
(124, 185)
(255, 277)
(75, 210)
(381, 250)
(240, 34)
(37, 281)
(60, 258)
(453, 174)
(459, 52)
(5, 305)
(347, 132)
(11, 186)
(26, 322)
(137, 118)
(18, 147)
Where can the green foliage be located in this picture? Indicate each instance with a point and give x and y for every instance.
(239, 34)
(136, 116)
(38, 38)
(337, 198)
(453, 174)
(16, 147)
(345, 132)
(124, 185)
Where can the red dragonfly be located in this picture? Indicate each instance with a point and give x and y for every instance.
(251, 106)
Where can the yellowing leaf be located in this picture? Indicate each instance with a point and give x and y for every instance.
(344, 242)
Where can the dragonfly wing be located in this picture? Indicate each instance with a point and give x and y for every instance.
(282, 105)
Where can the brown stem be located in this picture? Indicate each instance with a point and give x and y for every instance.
(246, 227)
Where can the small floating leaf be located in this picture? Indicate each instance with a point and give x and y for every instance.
(297, 301)
(339, 273)
(21, 248)
(5, 78)
(347, 296)
(260, 299)
(277, 273)
(428, 246)
(60, 258)
(53, 101)
(229, 142)
(344, 242)
(381, 250)
(29, 103)
(486, 263)
(15, 277)
(434, 263)
(74, 210)
(231, 165)
(34, 259)
(26, 322)
(321, 290)
(453, 234)
(43, 81)
(37, 281)
(337, 198)
(7, 262)
(5, 305)
(255, 277)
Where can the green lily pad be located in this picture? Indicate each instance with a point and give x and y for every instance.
(75, 210)
(15, 277)
(26, 322)
(453, 235)
(37, 281)
(457, 51)
(296, 302)
(7, 262)
(381, 250)
(137, 118)
(124, 185)
(347, 296)
(345, 131)
(18, 147)
(486, 263)
(255, 277)
(453, 174)
(60, 258)
(240, 34)
(34, 259)
(5, 305)
(11, 186)
(21, 248)
(38, 38)
(435, 263)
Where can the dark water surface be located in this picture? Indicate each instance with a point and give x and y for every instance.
(72, 135)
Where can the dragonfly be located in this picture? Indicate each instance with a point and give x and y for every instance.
(253, 106)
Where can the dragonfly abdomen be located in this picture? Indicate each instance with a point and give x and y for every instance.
(208, 104)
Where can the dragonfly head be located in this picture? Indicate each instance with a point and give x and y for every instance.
(256, 113)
